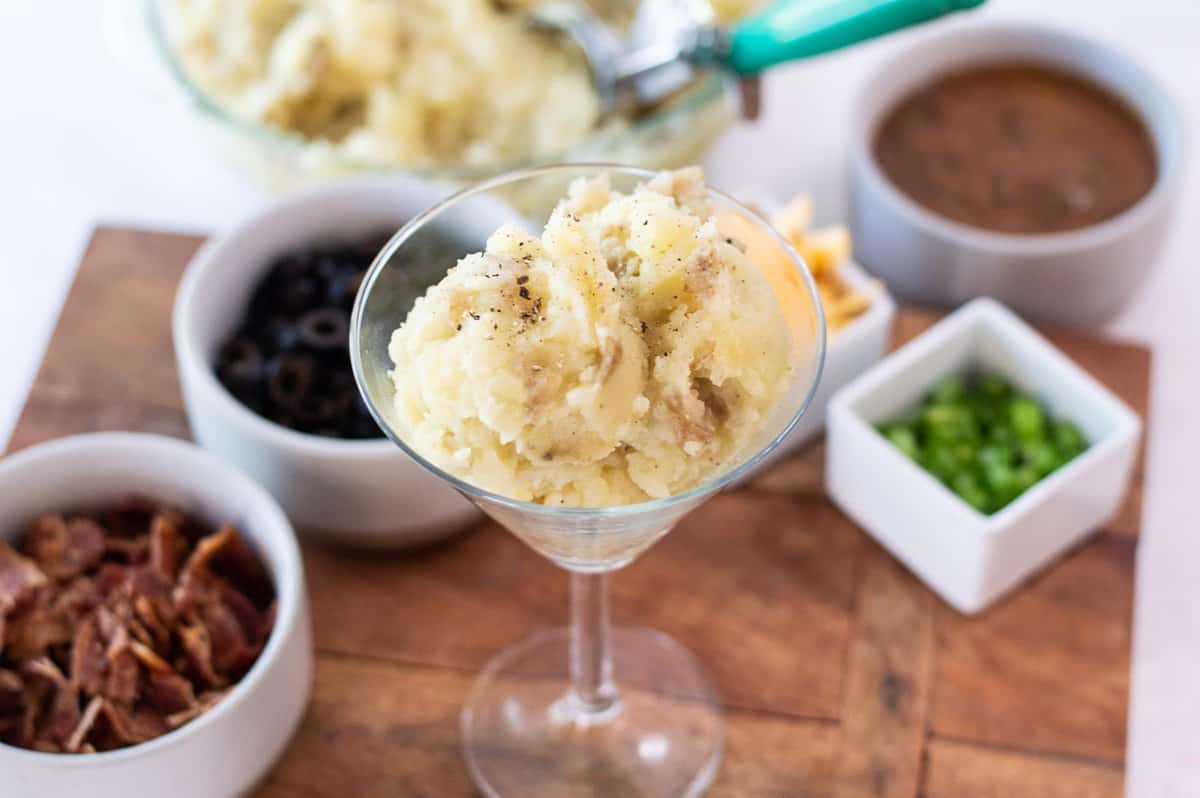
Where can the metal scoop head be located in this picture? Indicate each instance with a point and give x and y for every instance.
(640, 67)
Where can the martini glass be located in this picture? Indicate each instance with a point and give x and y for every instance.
(586, 710)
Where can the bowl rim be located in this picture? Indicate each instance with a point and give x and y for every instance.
(225, 245)
(289, 583)
(964, 322)
(478, 494)
(873, 103)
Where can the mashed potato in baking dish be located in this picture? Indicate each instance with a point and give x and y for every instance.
(626, 354)
(420, 82)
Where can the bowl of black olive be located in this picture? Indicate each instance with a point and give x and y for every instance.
(261, 328)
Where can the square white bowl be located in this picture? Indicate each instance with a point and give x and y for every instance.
(969, 558)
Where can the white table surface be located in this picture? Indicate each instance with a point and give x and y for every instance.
(84, 143)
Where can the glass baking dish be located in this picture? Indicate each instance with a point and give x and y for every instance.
(677, 133)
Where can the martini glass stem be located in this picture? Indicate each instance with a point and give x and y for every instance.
(591, 648)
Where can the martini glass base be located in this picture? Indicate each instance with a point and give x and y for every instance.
(525, 734)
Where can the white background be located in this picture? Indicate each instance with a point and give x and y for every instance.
(85, 142)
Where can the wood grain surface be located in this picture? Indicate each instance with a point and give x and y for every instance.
(841, 675)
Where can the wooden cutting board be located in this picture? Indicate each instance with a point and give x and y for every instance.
(842, 676)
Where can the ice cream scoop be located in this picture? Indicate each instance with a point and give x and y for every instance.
(671, 39)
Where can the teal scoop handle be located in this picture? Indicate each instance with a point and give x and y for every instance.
(790, 29)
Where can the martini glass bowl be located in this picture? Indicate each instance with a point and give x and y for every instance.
(586, 710)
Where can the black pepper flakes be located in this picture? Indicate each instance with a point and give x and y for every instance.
(524, 292)
(524, 278)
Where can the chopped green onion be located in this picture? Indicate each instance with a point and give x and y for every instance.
(985, 441)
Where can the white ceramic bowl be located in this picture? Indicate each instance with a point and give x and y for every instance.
(1077, 277)
(969, 558)
(226, 751)
(358, 492)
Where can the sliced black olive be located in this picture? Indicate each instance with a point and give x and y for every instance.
(312, 410)
(343, 289)
(291, 377)
(250, 393)
(278, 336)
(241, 359)
(295, 264)
(340, 381)
(241, 369)
(264, 300)
(298, 294)
(331, 265)
(324, 329)
(288, 361)
(341, 391)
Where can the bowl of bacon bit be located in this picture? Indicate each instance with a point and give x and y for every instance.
(154, 632)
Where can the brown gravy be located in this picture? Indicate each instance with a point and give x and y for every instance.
(1017, 148)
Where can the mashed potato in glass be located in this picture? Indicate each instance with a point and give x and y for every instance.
(627, 353)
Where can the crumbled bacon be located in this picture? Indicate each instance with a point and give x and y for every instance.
(169, 692)
(118, 627)
(121, 683)
(127, 549)
(44, 668)
(11, 691)
(34, 626)
(87, 657)
(64, 716)
(166, 545)
(148, 657)
(64, 549)
(130, 726)
(198, 647)
(204, 702)
(75, 600)
(156, 618)
(19, 577)
(90, 713)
